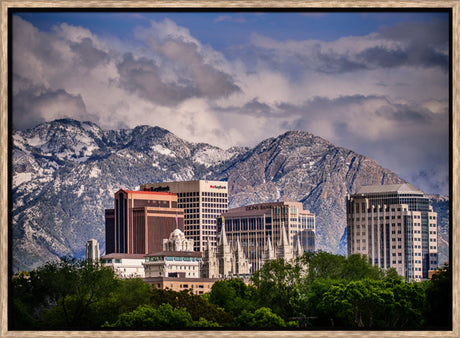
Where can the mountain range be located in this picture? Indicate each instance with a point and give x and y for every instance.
(65, 173)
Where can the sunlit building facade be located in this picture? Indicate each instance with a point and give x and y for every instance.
(395, 226)
(92, 250)
(140, 220)
(203, 202)
(281, 227)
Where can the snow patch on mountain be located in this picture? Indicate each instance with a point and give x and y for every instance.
(162, 150)
(209, 156)
(20, 178)
(95, 172)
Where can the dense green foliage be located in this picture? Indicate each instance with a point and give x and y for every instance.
(439, 299)
(164, 316)
(318, 290)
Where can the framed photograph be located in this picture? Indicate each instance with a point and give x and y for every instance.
(279, 167)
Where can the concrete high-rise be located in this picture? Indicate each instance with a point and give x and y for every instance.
(203, 202)
(282, 227)
(395, 226)
(92, 250)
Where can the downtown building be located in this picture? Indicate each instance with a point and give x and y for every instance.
(92, 253)
(140, 220)
(269, 230)
(177, 267)
(395, 226)
(202, 202)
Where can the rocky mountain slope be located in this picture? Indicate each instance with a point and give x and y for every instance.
(65, 173)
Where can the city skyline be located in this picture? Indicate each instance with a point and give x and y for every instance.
(373, 82)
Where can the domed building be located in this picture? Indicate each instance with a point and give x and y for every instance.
(177, 242)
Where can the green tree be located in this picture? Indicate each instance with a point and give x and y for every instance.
(63, 294)
(438, 311)
(148, 317)
(233, 295)
(406, 310)
(322, 264)
(260, 318)
(357, 302)
(277, 287)
(197, 306)
(311, 297)
(76, 297)
(392, 274)
(126, 296)
(357, 267)
(326, 265)
(375, 303)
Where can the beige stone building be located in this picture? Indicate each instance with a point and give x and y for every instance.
(395, 226)
(224, 261)
(176, 260)
(203, 202)
(125, 265)
(269, 231)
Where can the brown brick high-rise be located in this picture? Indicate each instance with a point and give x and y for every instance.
(140, 221)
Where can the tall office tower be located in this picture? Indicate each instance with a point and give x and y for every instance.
(270, 230)
(395, 226)
(203, 202)
(140, 221)
(92, 250)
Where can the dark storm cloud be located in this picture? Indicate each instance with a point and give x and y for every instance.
(257, 108)
(423, 44)
(434, 33)
(382, 57)
(87, 55)
(412, 55)
(330, 61)
(187, 73)
(405, 114)
(189, 63)
(142, 76)
(412, 44)
(35, 105)
(373, 106)
(325, 104)
(251, 108)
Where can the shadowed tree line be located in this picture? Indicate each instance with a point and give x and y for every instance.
(318, 290)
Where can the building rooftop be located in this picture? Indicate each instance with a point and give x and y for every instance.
(175, 254)
(123, 255)
(263, 208)
(406, 188)
(180, 279)
(147, 192)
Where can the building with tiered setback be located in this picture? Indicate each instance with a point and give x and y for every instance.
(395, 226)
(140, 220)
(92, 251)
(202, 201)
(269, 231)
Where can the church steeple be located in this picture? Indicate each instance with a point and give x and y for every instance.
(284, 239)
(299, 247)
(269, 251)
(223, 236)
(284, 249)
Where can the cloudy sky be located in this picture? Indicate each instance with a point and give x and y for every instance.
(373, 82)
